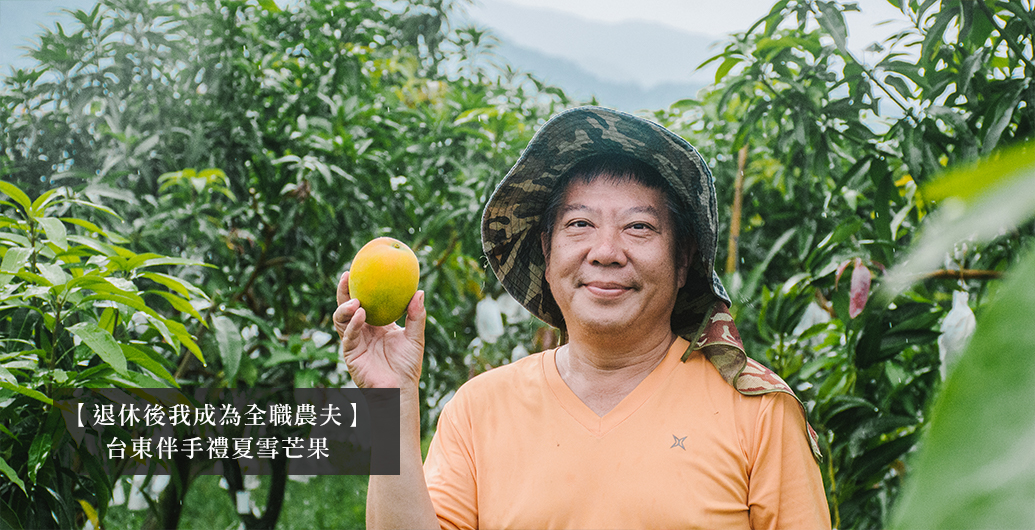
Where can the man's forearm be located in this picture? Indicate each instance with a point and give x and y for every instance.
(403, 501)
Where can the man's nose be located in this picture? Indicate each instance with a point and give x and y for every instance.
(606, 249)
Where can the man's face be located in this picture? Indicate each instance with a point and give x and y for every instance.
(611, 262)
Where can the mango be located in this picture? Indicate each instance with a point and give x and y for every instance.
(384, 278)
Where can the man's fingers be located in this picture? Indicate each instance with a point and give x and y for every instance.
(344, 314)
(343, 288)
(416, 316)
(350, 336)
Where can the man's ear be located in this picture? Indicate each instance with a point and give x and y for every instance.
(683, 266)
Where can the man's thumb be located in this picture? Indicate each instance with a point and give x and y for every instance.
(416, 316)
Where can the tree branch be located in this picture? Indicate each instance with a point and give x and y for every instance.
(738, 198)
(1002, 33)
(964, 274)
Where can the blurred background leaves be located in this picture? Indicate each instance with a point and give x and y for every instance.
(184, 183)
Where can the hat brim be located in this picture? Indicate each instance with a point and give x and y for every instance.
(512, 218)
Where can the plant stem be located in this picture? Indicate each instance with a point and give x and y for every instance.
(964, 274)
(738, 200)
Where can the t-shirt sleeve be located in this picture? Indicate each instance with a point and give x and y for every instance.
(449, 470)
(785, 488)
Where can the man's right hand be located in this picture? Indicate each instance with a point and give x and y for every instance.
(380, 356)
(390, 357)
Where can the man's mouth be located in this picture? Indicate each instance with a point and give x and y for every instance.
(606, 289)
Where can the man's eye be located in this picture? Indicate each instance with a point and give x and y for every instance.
(579, 224)
(641, 226)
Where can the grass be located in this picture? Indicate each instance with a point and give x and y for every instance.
(331, 502)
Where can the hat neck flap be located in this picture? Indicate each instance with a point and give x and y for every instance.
(719, 341)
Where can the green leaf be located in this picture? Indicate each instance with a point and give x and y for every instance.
(94, 281)
(102, 482)
(1001, 116)
(269, 5)
(976, 468)
(12, 474)
(900, 85)
(179, 285)
(153, 260)
(973, 181)
(872, 429)
(55, 231)
(34, 394)
(178, 303)
(102, 343)
(95, 206)
(85, 224)
(184, 336)
(773, 19)
(100, 248)
(53, 273)
(751, 285)
(39, 205)
(33, 278)
(159, 324)
(109, 320)
(38, 453)
(231, 348)
(979, 201)
(712, 59)
(725, 68)
(14, 260)
(133, 379)
(970, 66)
(870, 351)
(933, 39)
(143, 360)
(827, 410)
(833, 22)
(131, 300)
(17, 194)
(873, 464)
(841, 233)
(1017, 9)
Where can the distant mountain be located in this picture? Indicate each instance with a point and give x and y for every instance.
(581, 85)
(631, 65)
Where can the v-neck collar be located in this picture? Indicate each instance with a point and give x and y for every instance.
(601, 425)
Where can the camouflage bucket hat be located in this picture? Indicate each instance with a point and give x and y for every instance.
(511, 220)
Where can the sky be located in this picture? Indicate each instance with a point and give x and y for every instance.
(717, 17)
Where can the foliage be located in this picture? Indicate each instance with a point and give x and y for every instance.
(274, 151)
(273, 144)
(77, 310)
(306, 505)
(975, 468)
(839, 151)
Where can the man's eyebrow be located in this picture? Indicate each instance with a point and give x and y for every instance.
(648, 209)
(574, 207)
(645, 209)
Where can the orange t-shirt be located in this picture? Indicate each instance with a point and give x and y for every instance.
(515, 448)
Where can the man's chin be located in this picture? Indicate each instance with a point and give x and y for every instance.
(607, 324)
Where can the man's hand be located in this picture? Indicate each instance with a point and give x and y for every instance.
(380, 356)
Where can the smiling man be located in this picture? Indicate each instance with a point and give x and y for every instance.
(651, 415)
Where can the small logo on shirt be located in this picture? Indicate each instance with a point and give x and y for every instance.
(678, 442)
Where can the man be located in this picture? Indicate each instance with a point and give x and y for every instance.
(651, 416)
